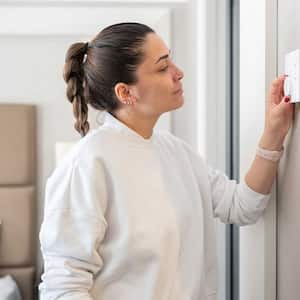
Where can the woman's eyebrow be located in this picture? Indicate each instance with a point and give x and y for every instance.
(163, 57)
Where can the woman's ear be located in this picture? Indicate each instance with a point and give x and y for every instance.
(122, 92)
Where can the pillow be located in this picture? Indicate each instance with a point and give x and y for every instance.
(9, 289)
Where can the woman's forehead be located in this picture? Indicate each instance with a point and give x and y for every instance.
(154, 48)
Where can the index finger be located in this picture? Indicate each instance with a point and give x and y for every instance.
(276, 91)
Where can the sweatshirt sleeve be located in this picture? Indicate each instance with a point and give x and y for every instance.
(72, 230)
(235, 202)
(232, 202)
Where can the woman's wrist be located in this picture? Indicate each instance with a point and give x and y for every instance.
(271, 141)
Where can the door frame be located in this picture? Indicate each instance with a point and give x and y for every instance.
(270, 218)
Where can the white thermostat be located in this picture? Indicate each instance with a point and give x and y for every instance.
(292, 69)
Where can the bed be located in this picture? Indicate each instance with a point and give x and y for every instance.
(18, 235)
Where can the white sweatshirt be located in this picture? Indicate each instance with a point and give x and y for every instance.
(129, 218)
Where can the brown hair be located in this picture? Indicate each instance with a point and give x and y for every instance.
(92, 69)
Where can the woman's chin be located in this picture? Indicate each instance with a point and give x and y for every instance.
(179, 101)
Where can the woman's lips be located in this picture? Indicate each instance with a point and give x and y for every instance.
(179, 91)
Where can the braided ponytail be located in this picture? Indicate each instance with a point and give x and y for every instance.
(74, 77)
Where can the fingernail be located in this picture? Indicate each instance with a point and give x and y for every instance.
(287, 99)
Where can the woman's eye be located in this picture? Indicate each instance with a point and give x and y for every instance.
(164, 69)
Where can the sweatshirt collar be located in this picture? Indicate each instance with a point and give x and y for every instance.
(113, 122)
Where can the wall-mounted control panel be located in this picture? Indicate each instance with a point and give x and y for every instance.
(292, 69)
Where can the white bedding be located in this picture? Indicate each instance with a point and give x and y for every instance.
(9, 289)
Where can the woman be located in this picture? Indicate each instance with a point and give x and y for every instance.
(129, 214)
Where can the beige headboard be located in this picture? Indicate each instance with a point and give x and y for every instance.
(18, 235)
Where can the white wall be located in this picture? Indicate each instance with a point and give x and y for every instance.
(288, 205)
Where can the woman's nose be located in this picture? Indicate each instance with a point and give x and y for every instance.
(178, 73)
(181, 75)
